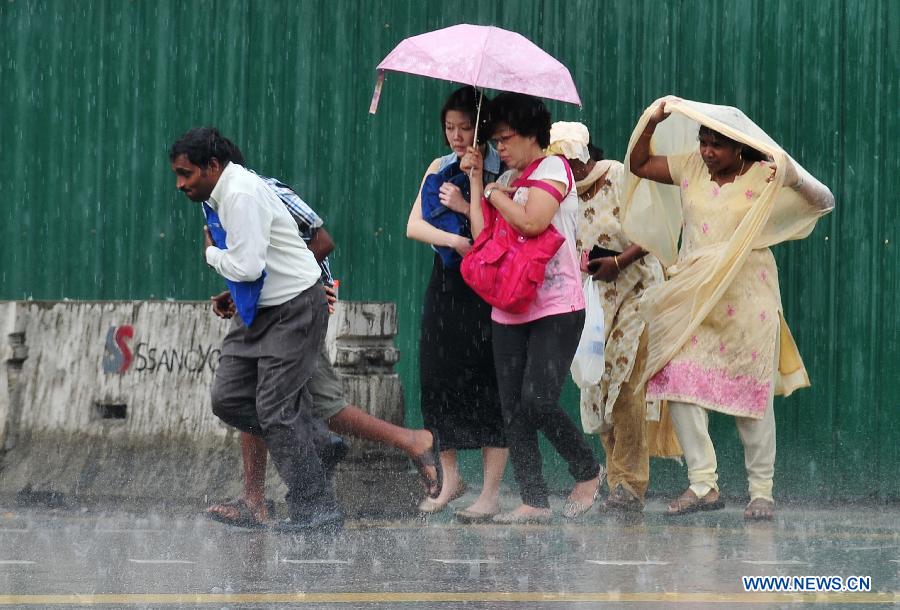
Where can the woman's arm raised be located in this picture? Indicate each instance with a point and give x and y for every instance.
(643, 164)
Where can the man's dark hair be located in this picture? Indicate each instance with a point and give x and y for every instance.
(202, 144)
(525, 114)
(595, 152)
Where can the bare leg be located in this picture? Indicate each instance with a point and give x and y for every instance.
(349, 420)
(254, 456)
(494, 459)
(453, 483)
(356, 422)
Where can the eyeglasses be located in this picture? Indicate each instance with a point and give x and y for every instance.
(497, 140)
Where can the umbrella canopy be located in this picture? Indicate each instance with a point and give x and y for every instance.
(482, 56)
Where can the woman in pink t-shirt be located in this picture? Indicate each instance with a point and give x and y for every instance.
(533, 350)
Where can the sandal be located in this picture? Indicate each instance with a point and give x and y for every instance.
(244, 516)
(760, 509)
(621, 500)
(431, 506)
(431, 458)
(688, 502)
(573, 509)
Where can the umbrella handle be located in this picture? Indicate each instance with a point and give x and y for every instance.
(477, 119)
(478, 115)
(376, 95)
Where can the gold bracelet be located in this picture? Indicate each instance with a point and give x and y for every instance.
(616, 259)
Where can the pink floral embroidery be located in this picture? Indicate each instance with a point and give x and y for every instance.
(688, 381)
(715, 190)
(705, 228)
(694, 340)
(764, 275)
(754, 355)
(730, 311)
(748, 194)
(721, 348)
(763, 316)
(684, 183)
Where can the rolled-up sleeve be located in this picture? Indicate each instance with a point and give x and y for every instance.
(248, 226)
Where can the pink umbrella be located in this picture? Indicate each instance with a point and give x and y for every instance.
(481, 56)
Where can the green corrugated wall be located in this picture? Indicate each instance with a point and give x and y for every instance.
(92, 93)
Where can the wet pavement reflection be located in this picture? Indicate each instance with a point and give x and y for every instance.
(177, 558)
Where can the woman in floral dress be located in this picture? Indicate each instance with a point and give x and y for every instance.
(615, 409)
(717, 335)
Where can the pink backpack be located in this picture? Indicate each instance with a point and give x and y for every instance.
(504, 267)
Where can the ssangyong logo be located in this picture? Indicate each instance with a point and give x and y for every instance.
(117, 356)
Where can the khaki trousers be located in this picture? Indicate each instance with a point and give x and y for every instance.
(625, 443)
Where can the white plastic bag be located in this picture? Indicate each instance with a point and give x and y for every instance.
(588, 365)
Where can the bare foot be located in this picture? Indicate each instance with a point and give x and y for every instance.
(488, 506)
(527, 509)
(584, 492)
(453, 488)
(525, 514)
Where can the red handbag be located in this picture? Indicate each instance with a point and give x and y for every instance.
(504, 267)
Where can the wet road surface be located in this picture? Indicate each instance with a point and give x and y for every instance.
(115, 559)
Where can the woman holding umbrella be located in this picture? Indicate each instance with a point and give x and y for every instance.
(459, 389)
(534, 349)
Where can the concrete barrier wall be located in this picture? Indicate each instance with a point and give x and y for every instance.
(111, 399)
(123, 369)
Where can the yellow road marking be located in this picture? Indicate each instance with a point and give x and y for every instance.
(486, 596)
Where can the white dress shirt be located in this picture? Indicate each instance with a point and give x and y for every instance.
(260, 235)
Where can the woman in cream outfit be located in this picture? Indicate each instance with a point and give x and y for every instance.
(717, 335)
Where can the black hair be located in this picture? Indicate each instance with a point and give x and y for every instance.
(465, 99)
(525, 114)
(202, 144)
(747, 152)
(595, 153)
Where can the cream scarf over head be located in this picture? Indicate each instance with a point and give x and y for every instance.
(652, 218)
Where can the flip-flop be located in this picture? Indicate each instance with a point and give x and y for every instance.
(244, 518)
(431, 458)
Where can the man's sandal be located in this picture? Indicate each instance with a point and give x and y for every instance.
(431, 458)
(688, 502)
(241, 514)
(760, 509)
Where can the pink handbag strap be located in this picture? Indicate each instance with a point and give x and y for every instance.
(490, 214)
(542, 184)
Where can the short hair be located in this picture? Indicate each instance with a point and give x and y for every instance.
(525, 114)
(747, 152)
(595, 152)
(202, 144)
(465, 100)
